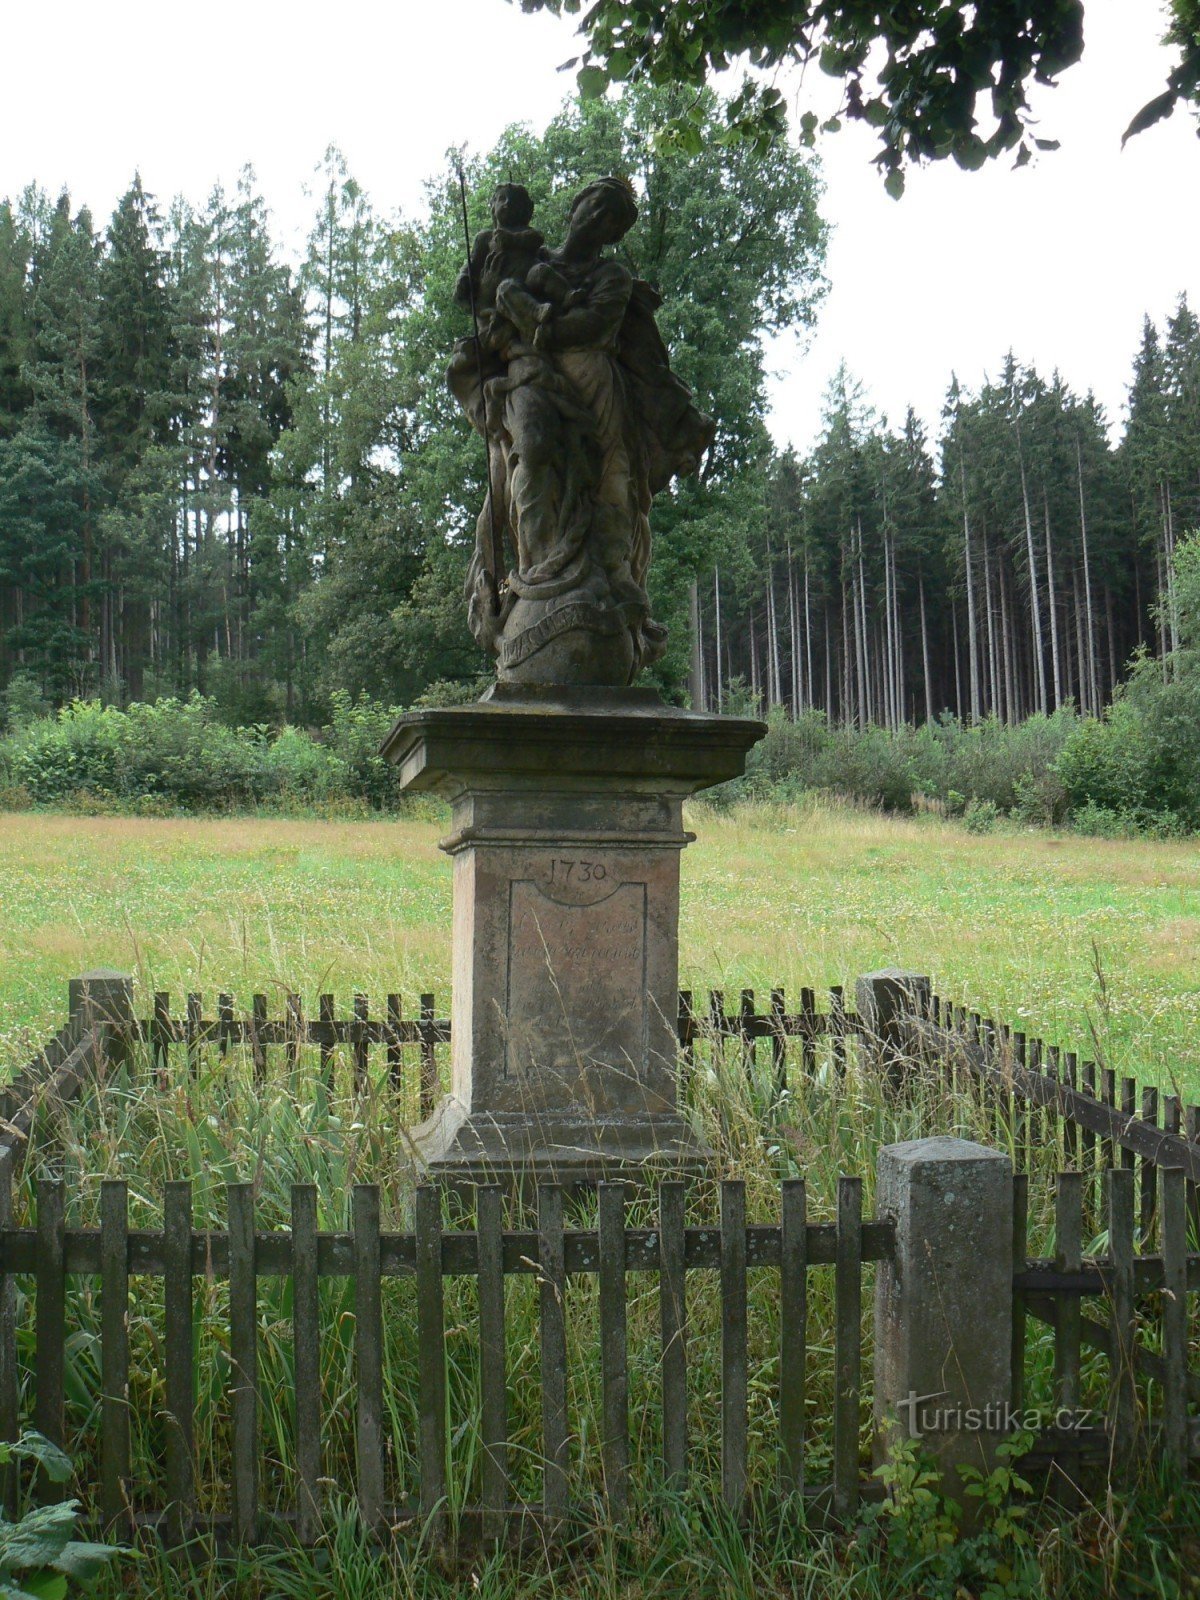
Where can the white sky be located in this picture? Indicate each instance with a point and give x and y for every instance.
(1059, 260)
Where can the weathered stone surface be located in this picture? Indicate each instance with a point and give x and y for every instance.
(943, 1306)
(885, 1000)
(558, 739)
(567, 833)
(568, 380)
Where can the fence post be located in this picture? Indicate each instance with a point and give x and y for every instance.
(944, 1303)
(104, 998)
(886, 1002)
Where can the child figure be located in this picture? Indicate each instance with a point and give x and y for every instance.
(507, 250)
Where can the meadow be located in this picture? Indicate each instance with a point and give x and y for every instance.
(1083, 940)
(1091, 943)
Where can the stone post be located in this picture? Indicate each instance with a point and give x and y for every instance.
(944, 1304)
(104, 998)
(886, 1001)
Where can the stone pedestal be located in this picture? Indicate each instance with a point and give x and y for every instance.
(567, 833)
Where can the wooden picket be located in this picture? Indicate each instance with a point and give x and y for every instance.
(1138, 1294)
(1044, 1100)
(1039, 1100)
(52, 1255)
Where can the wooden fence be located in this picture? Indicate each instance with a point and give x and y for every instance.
(174, 1042)
(1037, 1097)
(399, 1036)
(457, 1483)
(1148, 1330)
(42, 1258)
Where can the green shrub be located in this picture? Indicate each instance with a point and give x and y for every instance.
(1137, 768)
(179, 749)
(790, 758)
(917, 1528)
(452, 692)
(981, 816)
(173, 754)
(1041, 798)
(174, 751)
(993, 760)
(872, 766)
(298, 768)
(357, 729)
(1101, 823)
(1140, 762)
(1168, 712)
(80, 748)
(1109, 762)
(21, 703)
(1010, 768)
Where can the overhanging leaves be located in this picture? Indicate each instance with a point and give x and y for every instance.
(917, 72)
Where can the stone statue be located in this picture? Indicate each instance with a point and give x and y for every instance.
(571, 386)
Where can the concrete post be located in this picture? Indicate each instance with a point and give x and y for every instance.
(885, 1001)
(944, 1304)
(104, 998)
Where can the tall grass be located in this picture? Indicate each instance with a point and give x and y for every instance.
(220, 1127)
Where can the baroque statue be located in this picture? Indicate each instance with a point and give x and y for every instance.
(568, 380)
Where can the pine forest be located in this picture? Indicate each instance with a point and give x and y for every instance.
(225, 471)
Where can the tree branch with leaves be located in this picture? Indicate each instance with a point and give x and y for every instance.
(935, 80)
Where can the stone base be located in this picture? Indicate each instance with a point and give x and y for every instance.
(558, 1147)
(567, 828)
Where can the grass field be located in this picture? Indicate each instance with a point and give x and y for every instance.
(1089, 942)
(1073, 937)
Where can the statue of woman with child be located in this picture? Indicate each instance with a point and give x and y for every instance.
(570, 384)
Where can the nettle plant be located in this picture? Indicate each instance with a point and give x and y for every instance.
(40, 1557)
(918, 1527)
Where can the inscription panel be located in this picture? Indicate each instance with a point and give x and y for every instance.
(576, 1012)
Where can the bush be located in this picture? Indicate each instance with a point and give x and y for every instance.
(452, 692)
(1041, 799)
(1135, 770)
(1101, 823)
(1109, 763)
(1010, 768)
(357, 729)
(995, 761)
(172, 752)
(57, 757)
(981, 816)
(21, 703)
(1140, 762)
(180, 750)
(298, 768)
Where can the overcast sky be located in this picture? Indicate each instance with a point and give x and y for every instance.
(1060, 260)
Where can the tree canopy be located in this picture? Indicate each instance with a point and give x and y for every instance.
(219, 472)
(917, 71)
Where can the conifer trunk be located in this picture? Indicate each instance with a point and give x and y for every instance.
(1035, 608)
(925, 648)
(973, 665)
(1093, 687)
(1052, 602)
(717, 624)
